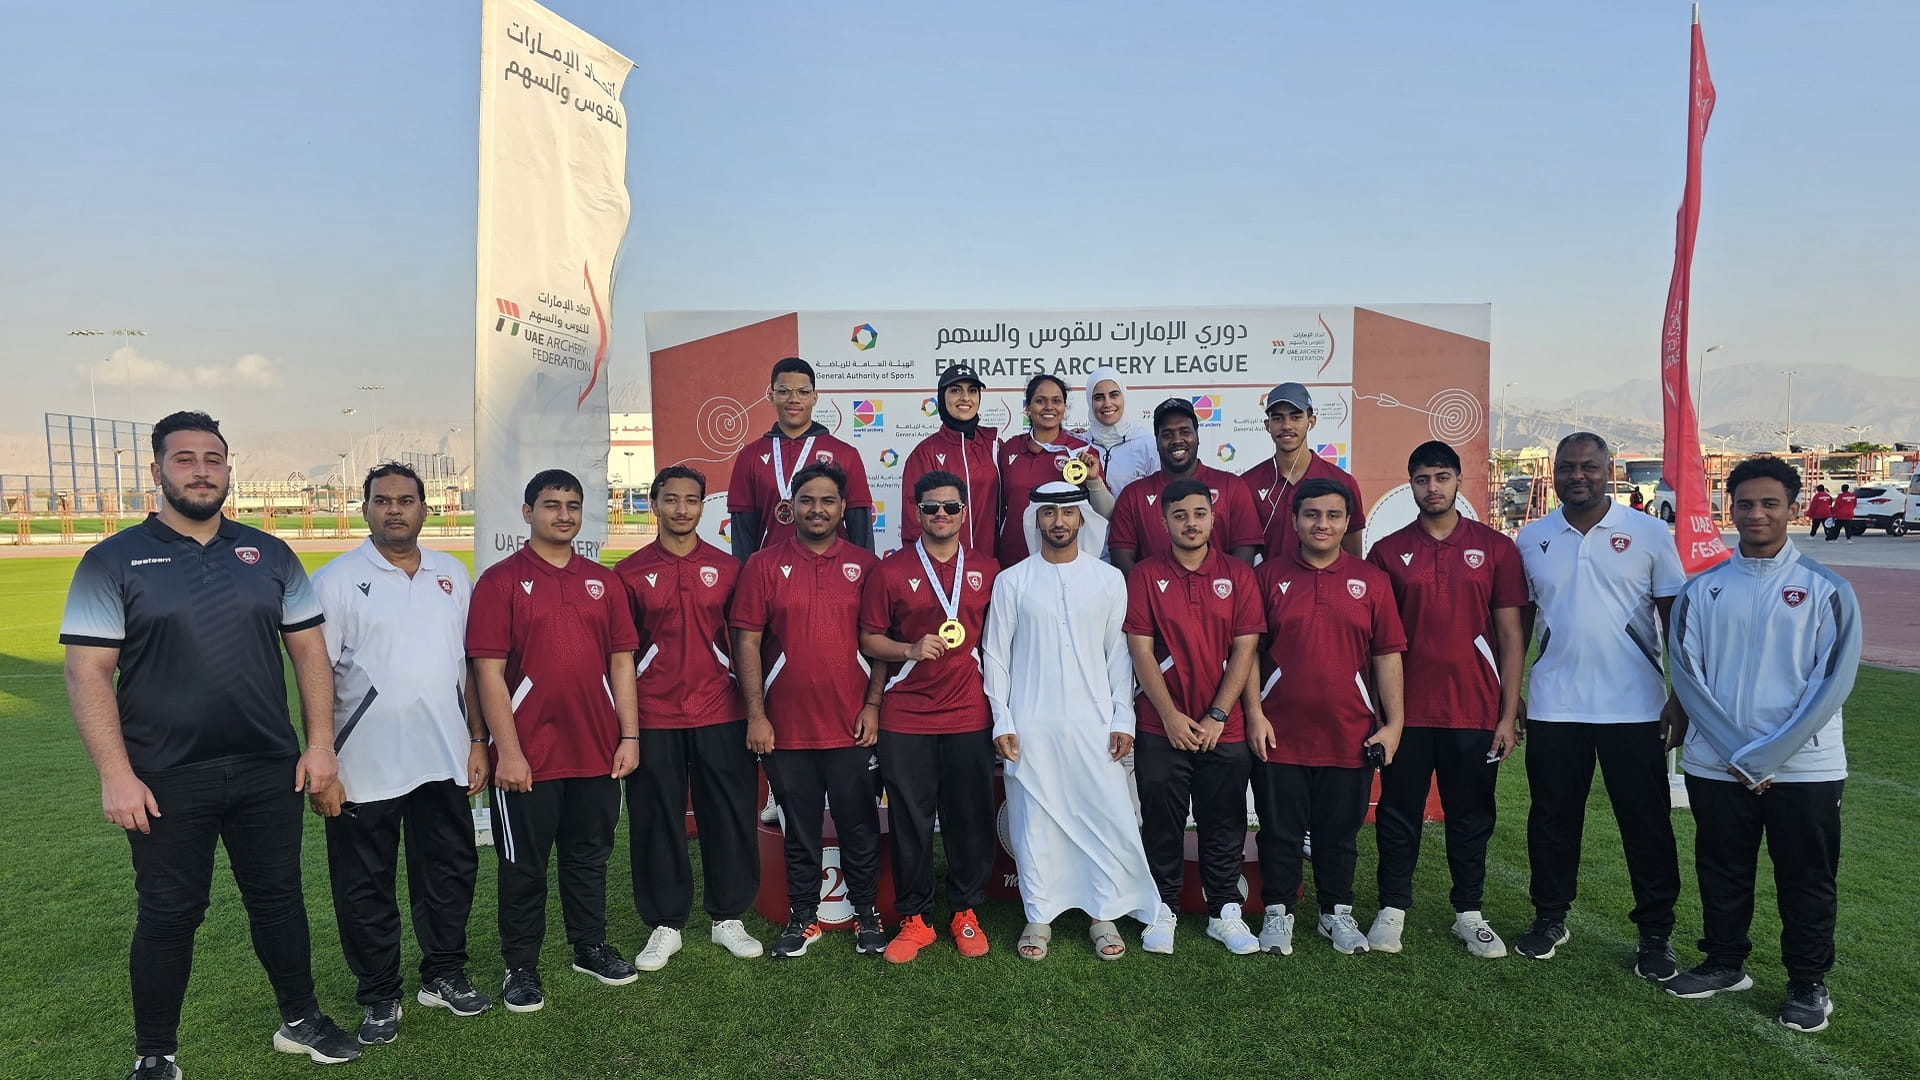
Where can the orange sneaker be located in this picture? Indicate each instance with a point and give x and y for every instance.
(914, 935)
(967, 935)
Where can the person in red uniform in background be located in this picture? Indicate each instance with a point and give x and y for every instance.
(1138, 531)
(964, 448)
(1843, 507)
(1819, 509)
(922, 616)
(693, 731)
(551, 637)
(813, 703)
(1038, 457)
(760, 492)
(1290, 420)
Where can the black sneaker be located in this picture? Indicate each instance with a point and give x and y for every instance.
(1707, 979)
(869, 933)
(801, 930)
(318, 1037)
(604, 962)
(155, 1067)
(1654, 959)
(1808, 1006)
(522, 991)
(455, 994)
(1540, 939)
(380, 1023)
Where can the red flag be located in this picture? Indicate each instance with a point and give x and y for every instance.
(1695, 533)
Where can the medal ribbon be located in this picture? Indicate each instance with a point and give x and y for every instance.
(950, 606)
(782, 479)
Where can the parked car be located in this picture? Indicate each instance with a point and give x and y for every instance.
(1880, 506)
(1663, 501)
(1913, 504)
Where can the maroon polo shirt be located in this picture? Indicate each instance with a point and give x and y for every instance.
(940, 697)
(1023, 467)
(753, 486)
(1324, 629)
(1140, 527)
(807, 607)
(1192, 617)
(684, 656)
(1273, 499)
(969, 459)
(556, 627)
(1446, 591)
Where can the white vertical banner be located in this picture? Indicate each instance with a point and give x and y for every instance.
(553, 214)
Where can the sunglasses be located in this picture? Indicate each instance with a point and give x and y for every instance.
(952, 508)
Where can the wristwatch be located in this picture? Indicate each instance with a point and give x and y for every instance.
(1215, 714)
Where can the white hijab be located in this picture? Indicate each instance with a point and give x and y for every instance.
(1093, 528)
(1108, 436)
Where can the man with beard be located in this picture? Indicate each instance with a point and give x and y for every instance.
(1290, 419)
(1060, 682)
(693, 731)
(412, 749)
(921, 616)
(1041, 456)
(1603, 579)
(193, 743)
(557, 628)
(1137, 531)
(760, 493)
(1193, 623)
(1459, 588)
(1312, 720)
(813, 704)
(961, 447)
(1765, 649)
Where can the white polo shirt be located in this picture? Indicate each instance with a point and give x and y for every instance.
(1600, 644)
(398, 647)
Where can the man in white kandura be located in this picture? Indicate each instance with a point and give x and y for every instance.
(1060, 683)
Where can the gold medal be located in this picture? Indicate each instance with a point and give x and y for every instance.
(953, 633)
(783, 512)
(1074, 471)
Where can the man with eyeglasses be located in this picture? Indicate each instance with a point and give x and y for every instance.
(760, 494)
(923, 613)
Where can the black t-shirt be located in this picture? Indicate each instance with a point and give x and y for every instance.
(198, 629)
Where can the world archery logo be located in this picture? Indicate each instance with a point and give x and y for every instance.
(929, 406)
(865, 337)
(509, 321)
(1333, 453)
(889, 457)
(1206, 410)
(879, 515)
(867, 415)
(1225, 453)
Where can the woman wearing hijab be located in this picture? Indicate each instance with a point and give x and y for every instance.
(1126, 444)
(964, 448)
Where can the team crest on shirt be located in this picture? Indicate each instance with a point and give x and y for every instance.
(595, 588)
(823, 457)
(913, 583)
(248, 555)
(1620, 541)
(1475, 558)
(1356, 588)
(446, 584)
(1794, 595)
(851, 569)
(1222, 587)
(709, 576)
(1213, 494)
(975, 579)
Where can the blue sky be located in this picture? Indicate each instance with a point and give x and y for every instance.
(295, 181)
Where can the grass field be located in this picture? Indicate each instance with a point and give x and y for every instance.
(1432, 1011)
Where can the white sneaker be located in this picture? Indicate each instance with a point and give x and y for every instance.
(1158, 936)
(1340, 929)
(661, 945)
(1469, 927)
(1276, 933)
(770, 814)
(1385, 934)
(731, 934)
(1231, 930)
